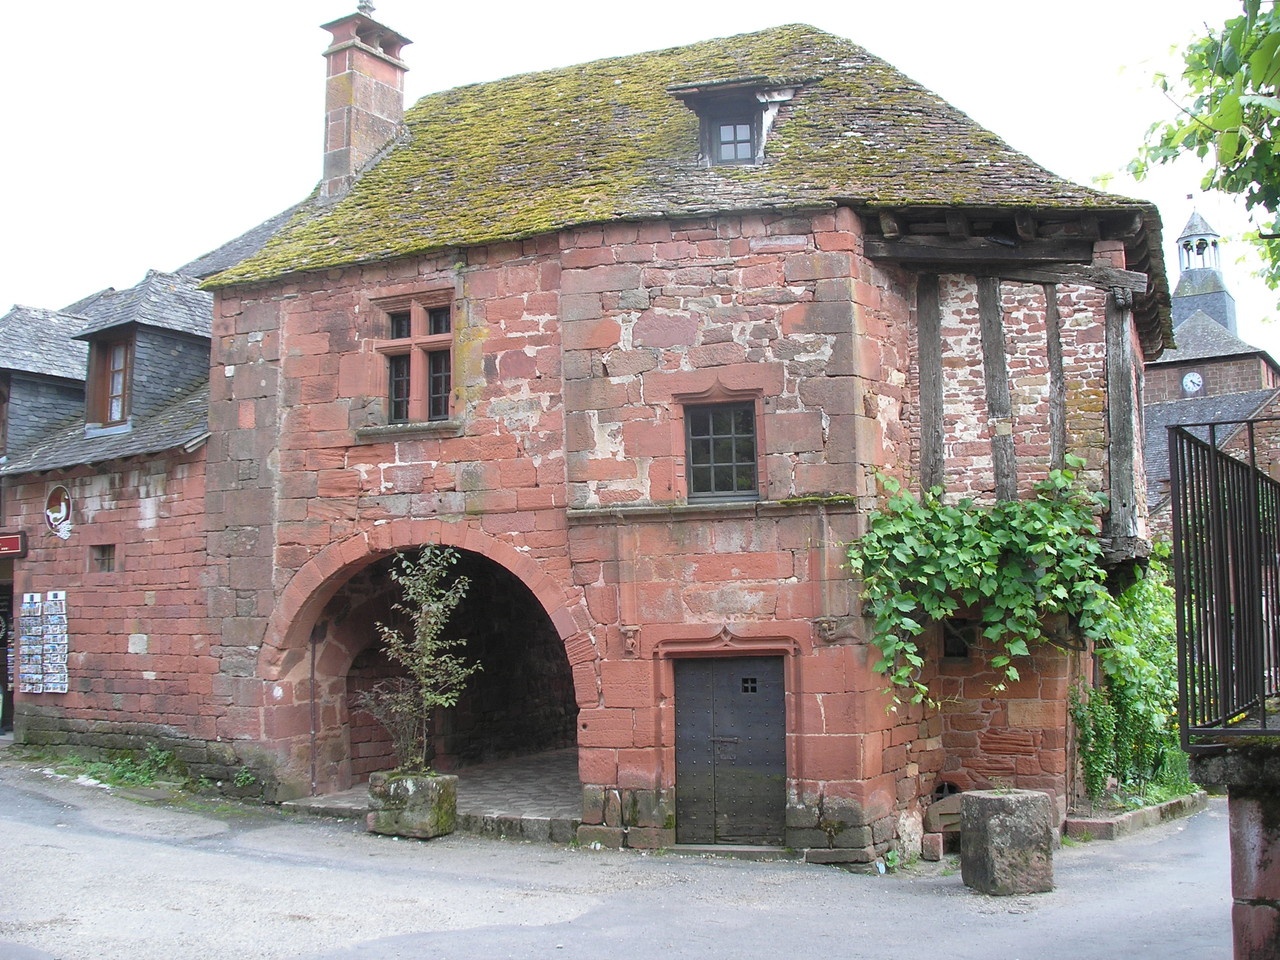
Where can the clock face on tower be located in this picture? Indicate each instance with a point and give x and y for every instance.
(1191, 383)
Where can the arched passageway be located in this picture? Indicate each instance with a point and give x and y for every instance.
(520, 702)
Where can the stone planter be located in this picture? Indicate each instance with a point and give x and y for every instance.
(412, 805)
(1006, 841)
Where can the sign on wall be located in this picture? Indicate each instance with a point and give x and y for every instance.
(57, 511)
(43, 643)
(13, 545)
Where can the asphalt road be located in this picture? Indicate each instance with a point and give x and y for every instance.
(87, 875)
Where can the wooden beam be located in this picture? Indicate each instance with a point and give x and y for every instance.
(1122, 414)
(978, 250)
(1025, 222)
(929, 337)
(1089, 227)
(1082, 274)
(1057, 380)
(891, 225)
(995, 370)
(957, 224)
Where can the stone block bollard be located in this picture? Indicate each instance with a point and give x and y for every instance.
(1006, 841)
(412, 806)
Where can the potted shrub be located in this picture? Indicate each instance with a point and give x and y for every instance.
(412, 800)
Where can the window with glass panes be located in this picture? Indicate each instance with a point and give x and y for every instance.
(721, 454)
(419, 352)
(109, 381)
(733, 140)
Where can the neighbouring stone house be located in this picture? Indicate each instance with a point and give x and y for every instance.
(636, 337)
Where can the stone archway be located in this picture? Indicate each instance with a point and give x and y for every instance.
(322, 635)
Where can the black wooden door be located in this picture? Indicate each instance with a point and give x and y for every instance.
(731, 760)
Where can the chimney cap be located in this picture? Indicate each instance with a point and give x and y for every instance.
(359, 28)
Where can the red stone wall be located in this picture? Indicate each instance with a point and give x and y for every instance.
(574, 356)
(143, 658)
(1015, 737)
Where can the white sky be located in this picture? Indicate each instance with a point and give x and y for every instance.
(142, 133)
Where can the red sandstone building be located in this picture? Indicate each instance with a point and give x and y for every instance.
(635, 337)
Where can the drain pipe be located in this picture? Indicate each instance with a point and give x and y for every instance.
(314, 717)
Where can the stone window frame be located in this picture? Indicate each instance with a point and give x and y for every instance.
(718, 395)
(103, 558)
(417, 346)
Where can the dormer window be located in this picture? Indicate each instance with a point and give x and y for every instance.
(736, 116)
(110, 372)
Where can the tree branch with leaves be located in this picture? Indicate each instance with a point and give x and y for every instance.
(1228, 112)
(436, 672)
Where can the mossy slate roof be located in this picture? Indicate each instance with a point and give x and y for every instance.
(606, 140)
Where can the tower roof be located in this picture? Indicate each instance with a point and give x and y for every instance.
(1197, 226)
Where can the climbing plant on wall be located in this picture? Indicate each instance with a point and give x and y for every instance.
(1011, 564)
(1126, 727)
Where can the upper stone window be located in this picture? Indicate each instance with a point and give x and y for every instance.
(721, 451)
(418, 347)
(736, 116)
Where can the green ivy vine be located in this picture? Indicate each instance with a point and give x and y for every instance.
(1126, 727)
(1010, 564)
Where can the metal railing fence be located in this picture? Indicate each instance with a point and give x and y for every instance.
(1226, 537)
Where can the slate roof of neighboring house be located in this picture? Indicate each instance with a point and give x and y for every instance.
(170, 301)
(184, 421)
(35, 340)
(607, 140)
(1223, 408)
(1200, 337)
(233, 251)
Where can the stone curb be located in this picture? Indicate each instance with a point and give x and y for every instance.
(1121, 825)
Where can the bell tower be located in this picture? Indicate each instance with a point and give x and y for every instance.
(1200, 282)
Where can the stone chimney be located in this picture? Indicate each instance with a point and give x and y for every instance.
(364, 96)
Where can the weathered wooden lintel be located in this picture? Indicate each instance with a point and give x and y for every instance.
(978, 250)
(1083, 274)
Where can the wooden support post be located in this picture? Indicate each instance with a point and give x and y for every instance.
(1122, 407)
(929, 338)
(999, 400)
(1057, 379)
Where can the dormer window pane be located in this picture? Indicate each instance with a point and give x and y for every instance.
(117, 385)
(734, 142)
